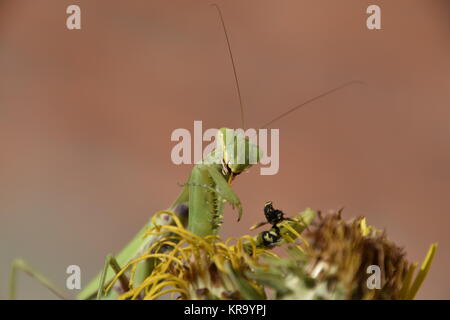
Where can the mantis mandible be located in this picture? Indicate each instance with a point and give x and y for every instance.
(199, 205)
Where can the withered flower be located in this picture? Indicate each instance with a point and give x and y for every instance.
(326, 258)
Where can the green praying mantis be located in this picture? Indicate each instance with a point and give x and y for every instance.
(199, 206)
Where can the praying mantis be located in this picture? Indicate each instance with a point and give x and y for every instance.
(199, 206)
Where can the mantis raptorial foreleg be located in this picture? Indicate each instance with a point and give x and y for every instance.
(225, 189)
(21, 265)
(208, 189)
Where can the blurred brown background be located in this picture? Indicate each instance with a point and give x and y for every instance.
(86, 118)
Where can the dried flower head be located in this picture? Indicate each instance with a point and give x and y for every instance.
(329, 261)
(338, 262)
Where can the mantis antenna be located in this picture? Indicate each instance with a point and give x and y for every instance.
(236, 79)
(322, 95)
(342, 86)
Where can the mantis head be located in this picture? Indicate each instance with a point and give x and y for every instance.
(237, 151)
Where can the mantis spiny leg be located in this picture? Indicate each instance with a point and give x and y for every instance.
(110, 261)
(19, 264)
(200, 202)
(225, 190)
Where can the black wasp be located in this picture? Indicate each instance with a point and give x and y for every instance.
(273, 217)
